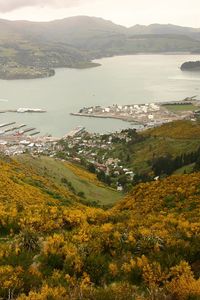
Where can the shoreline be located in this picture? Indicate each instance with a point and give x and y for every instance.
(125, 119)
(94, 63)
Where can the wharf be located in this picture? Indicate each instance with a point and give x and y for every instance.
(35, 133)
(15, 128)
(75, 132)
(105, 116)
(7, 124)
(27, 130)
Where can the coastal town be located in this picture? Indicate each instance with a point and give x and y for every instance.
(94, 151)
(18, 138)
(91, 150)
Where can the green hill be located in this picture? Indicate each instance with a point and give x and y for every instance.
(77, 180)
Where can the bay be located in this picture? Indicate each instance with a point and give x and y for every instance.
(119, 80)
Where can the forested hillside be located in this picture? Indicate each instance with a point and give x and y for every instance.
(52, 246)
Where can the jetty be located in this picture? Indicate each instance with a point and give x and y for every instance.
(75, 132)
(15, 128)
(35, 133)
(12, 132)
(27, 130)
(7, 124)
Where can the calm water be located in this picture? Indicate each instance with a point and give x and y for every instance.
(121, 80)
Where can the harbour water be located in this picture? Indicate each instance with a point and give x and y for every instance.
(120, 80)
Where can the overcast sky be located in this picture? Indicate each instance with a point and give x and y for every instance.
(125, 12)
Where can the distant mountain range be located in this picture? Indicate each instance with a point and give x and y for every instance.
(32, 49)
(164, 29)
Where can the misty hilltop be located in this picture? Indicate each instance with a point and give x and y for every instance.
(34, 49)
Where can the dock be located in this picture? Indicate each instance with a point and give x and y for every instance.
(28, 130)
(9, 131)
(15, 128)
(35, 133)
(7, 124)
(75, 132)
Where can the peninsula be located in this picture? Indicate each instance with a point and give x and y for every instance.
(191, 66)
(149, 114)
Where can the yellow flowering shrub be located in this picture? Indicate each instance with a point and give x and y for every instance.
(46, 293)
(183, 285)
(54, 247)
(10, 277)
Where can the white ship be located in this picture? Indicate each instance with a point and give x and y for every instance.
(30, 110)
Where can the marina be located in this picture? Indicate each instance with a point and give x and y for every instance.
(15, 130)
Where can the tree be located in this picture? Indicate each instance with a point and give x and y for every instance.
(91, 168)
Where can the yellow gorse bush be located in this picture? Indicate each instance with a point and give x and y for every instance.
(53, 247)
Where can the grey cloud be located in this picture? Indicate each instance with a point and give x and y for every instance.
(10, 5)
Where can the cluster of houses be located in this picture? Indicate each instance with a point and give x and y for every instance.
(147, 115)
(96, 150)
(140, 113)
(129, 109)
(36, 146)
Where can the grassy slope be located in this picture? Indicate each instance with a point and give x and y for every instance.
(22, 185)
(153, 147)
(81, 180)
(174, 138)
(177, 130)
(185, 170)
(179, 108)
